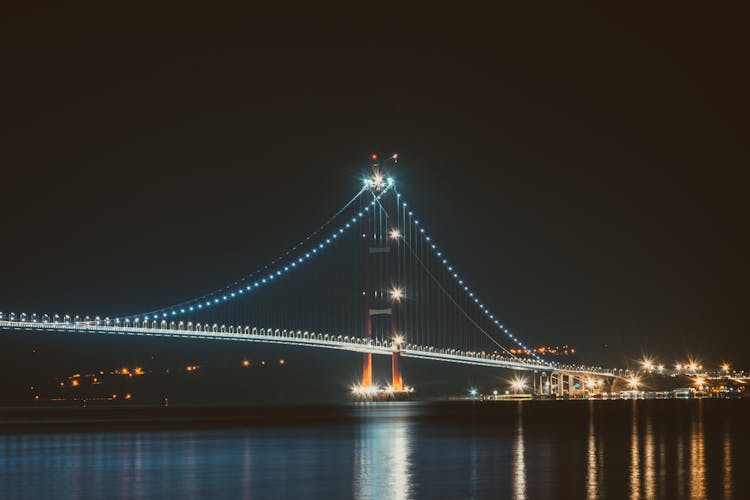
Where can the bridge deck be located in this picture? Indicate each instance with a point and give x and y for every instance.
(308, 339)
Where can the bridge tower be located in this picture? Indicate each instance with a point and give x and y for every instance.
(382, 293)
(394, 233)
(367, 238)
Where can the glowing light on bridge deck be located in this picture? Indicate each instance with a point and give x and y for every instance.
(397, 294)
(398, 340)
(395, 234)
(473, 392)
(634, 382)
(648, 364)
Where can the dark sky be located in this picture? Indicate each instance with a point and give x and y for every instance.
(587, 170)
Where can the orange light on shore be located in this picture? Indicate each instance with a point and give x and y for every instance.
(245, 362)
(128, 396)
(74, 383)
(282, 361)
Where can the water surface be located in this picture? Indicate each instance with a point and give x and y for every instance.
(529, 449)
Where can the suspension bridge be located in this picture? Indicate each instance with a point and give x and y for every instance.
(371, 279)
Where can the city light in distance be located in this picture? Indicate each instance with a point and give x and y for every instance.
(648, 364)
(633, 382)
(700, 381)
(725, 367)
(245, 362)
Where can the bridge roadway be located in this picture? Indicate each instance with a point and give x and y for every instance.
(299, 338)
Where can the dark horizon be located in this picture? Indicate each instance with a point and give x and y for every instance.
(586, 171)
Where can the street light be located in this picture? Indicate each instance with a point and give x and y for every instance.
(633, 382)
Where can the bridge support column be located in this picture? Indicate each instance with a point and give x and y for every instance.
(367, 371)
(367, 362)
(397, 380)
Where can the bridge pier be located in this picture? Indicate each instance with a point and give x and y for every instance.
(367, 371)
(397, 381)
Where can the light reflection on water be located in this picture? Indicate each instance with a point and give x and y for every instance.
(519, 461)
(406, 450)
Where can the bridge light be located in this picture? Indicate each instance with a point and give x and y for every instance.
(473, 392)
(395, 234)
(390, 180)
(518, 385)
(648, 364)
(397, 294)
(633, 382)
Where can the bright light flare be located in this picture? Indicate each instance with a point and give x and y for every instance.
(395, 234)
(725, 367)
(518, 384)
(397, 294)
(398, 339)
(360, 390)
(648, 364)
(634, 382)
(700, 381)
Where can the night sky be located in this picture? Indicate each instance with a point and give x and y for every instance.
(586, 170)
